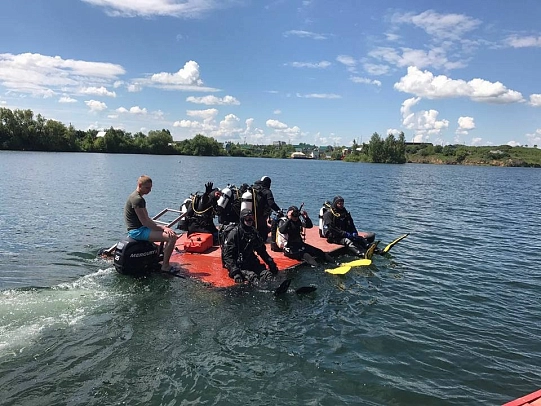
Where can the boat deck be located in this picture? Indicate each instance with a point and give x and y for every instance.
(207, 266)
(533, 399)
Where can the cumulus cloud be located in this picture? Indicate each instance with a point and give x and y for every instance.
(134, 87)
(425, 84)
(188, 124)
(45, 76)
(523, 42)
(534, 138)
(67, 99)
(205, 115)
(95, 105)
(535, 100)
(424, 122)
(276, 125)
(172, 8)
(138, 110)
(305, 34)
(311, 65)
(465, 124)
(188, 75)
(97, 91)
(213, 100)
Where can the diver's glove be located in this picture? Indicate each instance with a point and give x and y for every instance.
(208, 187)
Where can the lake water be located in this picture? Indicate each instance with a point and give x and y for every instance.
(452, 318)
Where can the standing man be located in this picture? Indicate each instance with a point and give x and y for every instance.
(264, 205)
(142, 227)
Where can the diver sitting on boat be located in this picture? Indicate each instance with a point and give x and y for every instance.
(238, 255)
(201, 210)
(290, 238)
(339, 228)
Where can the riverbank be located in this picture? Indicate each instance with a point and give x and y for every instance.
(503, 155)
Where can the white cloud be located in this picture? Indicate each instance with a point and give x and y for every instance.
(138, 110)
(425, 84)
(534, 138)
(45, 76)
(465, 124)
(535, 100)
(276, 125)
(439, 26)
(230, 124)
(277, 111)
(188, 124)
(206, 115)
(319, 96)
(95, 105)
(347, 60)
(186, 76)
(375, 69)
(67, 99)
(213, 100)
(367, 81)
(147, 8)
(97, 91)
(134, 87)
(476, 141)
(435, 57)
(523, 42)
(312, 65)
(305, 34)
(424, 122)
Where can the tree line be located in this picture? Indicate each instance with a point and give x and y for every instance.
(21, 131)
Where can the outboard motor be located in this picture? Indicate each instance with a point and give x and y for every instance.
(134, 257)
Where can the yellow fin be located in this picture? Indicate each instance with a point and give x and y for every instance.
(392, 243)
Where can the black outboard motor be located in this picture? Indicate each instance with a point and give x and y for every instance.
(134, 257)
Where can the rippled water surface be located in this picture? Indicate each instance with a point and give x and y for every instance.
(451, 318)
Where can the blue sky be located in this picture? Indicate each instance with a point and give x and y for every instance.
(321, 72)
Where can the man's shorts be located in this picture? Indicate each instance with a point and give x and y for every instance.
(141, 233)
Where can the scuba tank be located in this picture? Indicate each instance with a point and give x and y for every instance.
(246, 201)
(225, 197)
(275, 219)
(322, 211)
(183, 223)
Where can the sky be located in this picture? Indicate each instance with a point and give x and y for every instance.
(257, 71)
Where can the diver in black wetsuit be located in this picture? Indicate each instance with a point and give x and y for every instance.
(295, 247)
(238, 255)
(339, 228)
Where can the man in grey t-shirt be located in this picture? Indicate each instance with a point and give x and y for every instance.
(142, 227)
